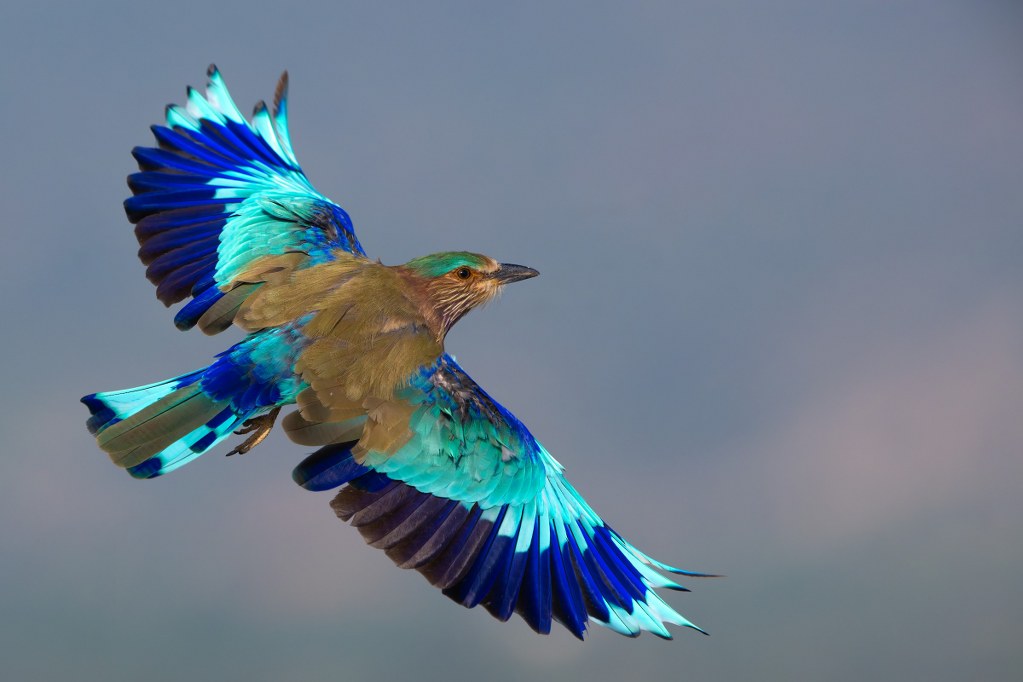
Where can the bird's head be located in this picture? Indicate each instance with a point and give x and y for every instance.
(457, 281)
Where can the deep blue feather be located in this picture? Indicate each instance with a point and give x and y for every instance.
(204, 443)
(372, 482)
(141, 205)
(255, 373)
(329, 467)
(101, 416)
(420, 549)
(256, 145)
(189, 315)
(228, 139)
(221, 417)
(183, 256)
(589, 590)
(354, 497)
(616, 565)
(567, 604)
(535, 593)
(494, 583)
(147, 469)
(383, 505)
(206, 149)
(474, 585)
(377, 531)
(147, 181)
(250, 396)
(211, 217)
(607, 582)
(154, 159)
(416, 515)
(448, 565)
(504, 595)
(178, 284)
(201, 235)
(203, 284)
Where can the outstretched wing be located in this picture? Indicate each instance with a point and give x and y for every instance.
(220, 195)
(473, 502)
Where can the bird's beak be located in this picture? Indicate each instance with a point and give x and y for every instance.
(508, 273)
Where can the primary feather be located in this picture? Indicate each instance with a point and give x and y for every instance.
(431, 469)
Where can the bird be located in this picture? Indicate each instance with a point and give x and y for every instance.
(427, 465)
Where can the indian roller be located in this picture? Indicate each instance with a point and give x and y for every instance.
(431, 469)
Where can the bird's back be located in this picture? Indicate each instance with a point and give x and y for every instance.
(365, 325)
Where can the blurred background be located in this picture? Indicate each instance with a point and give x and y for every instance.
(778, 335)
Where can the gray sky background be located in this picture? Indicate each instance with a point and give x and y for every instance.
(778, 335)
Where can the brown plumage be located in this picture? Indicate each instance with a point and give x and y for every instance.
(369, 327)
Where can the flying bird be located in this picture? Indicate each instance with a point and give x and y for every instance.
(431, 469)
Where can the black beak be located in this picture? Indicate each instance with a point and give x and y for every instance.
(508, 273)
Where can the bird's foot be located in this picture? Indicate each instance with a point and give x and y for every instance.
(259, 427)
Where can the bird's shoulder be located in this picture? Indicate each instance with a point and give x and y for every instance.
(348, 295)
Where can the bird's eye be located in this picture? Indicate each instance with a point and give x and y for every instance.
(463, 273)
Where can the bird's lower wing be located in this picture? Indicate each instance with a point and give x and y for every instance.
(473, 502)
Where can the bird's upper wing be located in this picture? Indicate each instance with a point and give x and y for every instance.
(472, 501)
(220, 196)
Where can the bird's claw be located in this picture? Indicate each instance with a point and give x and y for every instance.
(259, 427)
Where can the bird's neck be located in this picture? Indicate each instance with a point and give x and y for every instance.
(439, 302)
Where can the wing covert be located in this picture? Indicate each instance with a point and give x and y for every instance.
(462, 444)
(218, 194)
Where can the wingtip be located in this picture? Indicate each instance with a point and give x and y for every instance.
(212, 70)
(281, 93)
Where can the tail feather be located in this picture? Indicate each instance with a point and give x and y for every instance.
(187, 448)
(111, 407)
(151, 430)
(154, 429)
(133, 440)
